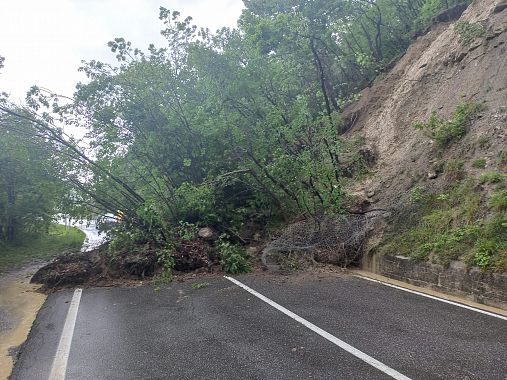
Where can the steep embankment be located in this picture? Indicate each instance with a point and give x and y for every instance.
(462, 63)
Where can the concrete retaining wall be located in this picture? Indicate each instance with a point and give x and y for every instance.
(474, 284)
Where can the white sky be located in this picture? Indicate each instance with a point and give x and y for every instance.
(44, 41)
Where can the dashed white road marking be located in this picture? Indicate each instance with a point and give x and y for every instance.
(62, 353)
(436, 298)
(340, 343)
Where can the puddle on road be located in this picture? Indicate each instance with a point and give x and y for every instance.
(19, 304)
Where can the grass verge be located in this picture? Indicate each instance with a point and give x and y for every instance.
(59, 239)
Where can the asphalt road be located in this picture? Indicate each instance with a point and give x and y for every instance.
(224, 332)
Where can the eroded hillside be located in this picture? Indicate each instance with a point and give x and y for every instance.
(456, 72)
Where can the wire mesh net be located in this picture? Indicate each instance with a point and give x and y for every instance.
(336, 239)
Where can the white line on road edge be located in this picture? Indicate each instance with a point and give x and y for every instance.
(340, 343)
(62, 353)
(437, 298)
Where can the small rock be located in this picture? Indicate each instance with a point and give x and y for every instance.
(459, 57)
(492, 33)
(370, 193)
(500, 6)
(474, 45)
(206, 233)
(432, 174)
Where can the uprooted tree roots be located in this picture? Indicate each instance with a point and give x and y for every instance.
(99, 267)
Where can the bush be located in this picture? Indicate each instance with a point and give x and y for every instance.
(444, 132)
(233, 258)
(492, 177)
(483, 252)
(468, 31)
(453, 170)
(480, 163)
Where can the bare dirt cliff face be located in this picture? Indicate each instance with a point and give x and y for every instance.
(436, 73)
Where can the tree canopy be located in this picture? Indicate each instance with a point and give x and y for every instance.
(223, 129)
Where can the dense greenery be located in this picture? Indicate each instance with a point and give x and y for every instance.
(30, 189)
(237, 127)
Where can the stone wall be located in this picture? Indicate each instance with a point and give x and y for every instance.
(474, 284)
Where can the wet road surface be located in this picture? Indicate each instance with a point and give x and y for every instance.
(222, 331)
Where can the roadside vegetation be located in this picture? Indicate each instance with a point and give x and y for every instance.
(234, 130)
(456, 224)
(39, 247)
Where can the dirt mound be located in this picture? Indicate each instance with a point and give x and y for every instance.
(193, 255)
(101, 268)
(69, 269)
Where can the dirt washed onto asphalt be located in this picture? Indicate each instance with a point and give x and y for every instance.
(19, 304)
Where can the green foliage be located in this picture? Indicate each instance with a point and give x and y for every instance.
(483, 251)
(468, 32)
(483, 142)
(187, 231)
(492, 177)
(417, 194)
(200, 285)
(479, 163)
(225, 129)
(445, 132)
(498, 201)
(455, 225)
(165, 258)
(30, 247)
(233, 258)
(502, 158)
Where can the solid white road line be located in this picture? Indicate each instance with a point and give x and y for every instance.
(62, 353)
(340, 343)
(437, 298)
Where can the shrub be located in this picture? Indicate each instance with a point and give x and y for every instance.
(480, 163)
(468, 31)
(453, 170)
(493, 177)
(233, 258)
(498, 201)
(444, 132)
(165, 258)
(483, 251)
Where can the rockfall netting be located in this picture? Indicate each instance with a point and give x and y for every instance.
(337, 239)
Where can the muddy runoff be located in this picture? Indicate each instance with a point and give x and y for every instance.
(19, 304)
(20, 301)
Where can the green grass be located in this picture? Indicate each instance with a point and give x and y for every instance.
(32, 248)
(480, 163)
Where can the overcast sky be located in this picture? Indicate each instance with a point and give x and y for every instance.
(44, 41)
